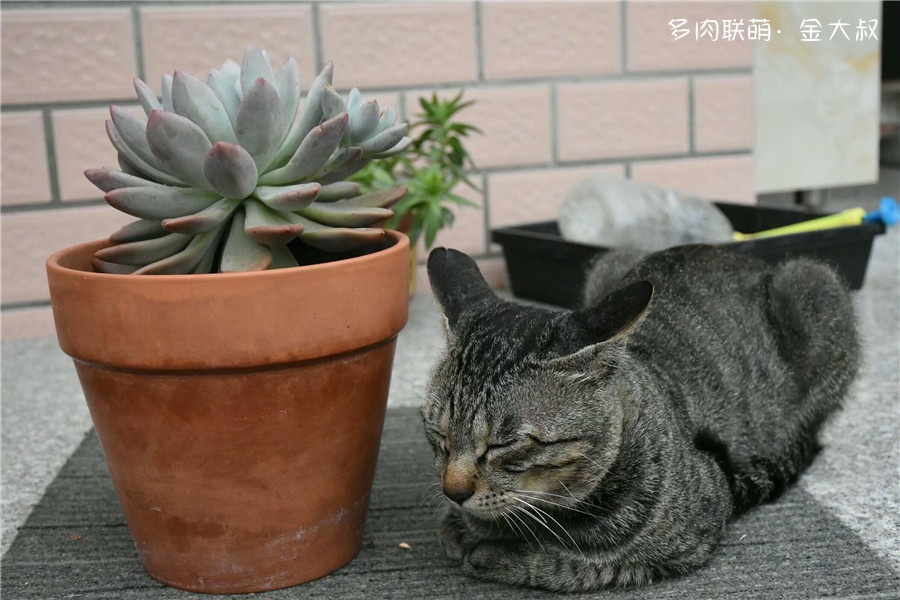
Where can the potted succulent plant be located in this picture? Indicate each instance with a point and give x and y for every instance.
(235, 342)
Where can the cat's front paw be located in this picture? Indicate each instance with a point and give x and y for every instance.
(498, 560)
(454, 536)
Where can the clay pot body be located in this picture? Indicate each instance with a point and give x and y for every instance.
(240, 414)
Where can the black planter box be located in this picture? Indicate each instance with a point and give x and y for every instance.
(544, 267)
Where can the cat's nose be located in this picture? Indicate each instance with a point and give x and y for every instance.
(458, 481)
(458, 495)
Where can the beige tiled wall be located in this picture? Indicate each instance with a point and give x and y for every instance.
(563, 90)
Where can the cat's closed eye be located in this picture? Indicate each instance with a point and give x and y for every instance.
(495, 448)
(438, 440)
(531, 452)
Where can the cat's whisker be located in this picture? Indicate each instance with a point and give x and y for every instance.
(434, 494)
(576, 503)
(507, 518)
(584, 502)
(552, 495)
(604, 470)
(558, 524)
(510, 522)
(513, 514)
(528, 504)
(539, 519)
(496, 520)
(527, 494)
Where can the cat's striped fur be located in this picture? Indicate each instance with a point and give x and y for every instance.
(611, 445)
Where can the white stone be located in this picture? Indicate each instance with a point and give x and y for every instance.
(612, 212)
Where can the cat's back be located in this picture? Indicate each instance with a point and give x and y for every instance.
(752, 356)
(699, 273)
(706, 300)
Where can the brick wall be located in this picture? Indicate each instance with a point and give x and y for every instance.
(563, 90)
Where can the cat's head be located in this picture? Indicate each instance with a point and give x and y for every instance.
(525, 405)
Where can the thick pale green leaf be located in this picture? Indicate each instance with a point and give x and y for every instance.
(230, 170)
(222, 82)
(349, 169)
(207, 263)
(241, 252)
(310, 117)
(179, 144)
(339, 239)
(385, 140)
(256, 64)
(128, 137)
(288, 198)
(166, 93)
(130, 169)
(181, 262)
(337, 191)
(342, 158)
(337, 215)
(108, 179)
(354, 100)
(397, 148)
(101, 266)
(364, 119)
(232, 71)
(282, 258)
(288, 85)
(312, 154)
(258, 126)
(336, 239)
(147, 96)
(159, 202)
(267, 227)
(205, 220)
(332, 103)
(378, 199)
(133, 131)
(387, 119)
(144, 252)
(196, 101)
(137, 231)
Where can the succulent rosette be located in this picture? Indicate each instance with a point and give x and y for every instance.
(222, 175)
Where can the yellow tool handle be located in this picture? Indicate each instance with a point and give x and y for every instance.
(852, 216)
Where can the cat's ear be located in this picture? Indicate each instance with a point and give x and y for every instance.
(617, 314)
(602, 324)
(456, 281)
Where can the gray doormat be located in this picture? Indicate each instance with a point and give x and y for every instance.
(76, 545)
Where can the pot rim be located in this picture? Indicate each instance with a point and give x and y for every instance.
(216, 321)
(55, 262)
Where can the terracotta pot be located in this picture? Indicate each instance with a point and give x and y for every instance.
(240, 414)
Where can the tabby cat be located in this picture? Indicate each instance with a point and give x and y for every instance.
(611, 445)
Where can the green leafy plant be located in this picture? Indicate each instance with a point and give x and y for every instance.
(223, 175)
(435, 163)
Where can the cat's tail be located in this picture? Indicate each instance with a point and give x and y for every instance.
(811, 314)
(815, 328)
(605, 273)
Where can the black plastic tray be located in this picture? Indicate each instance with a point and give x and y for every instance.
(544, 267)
